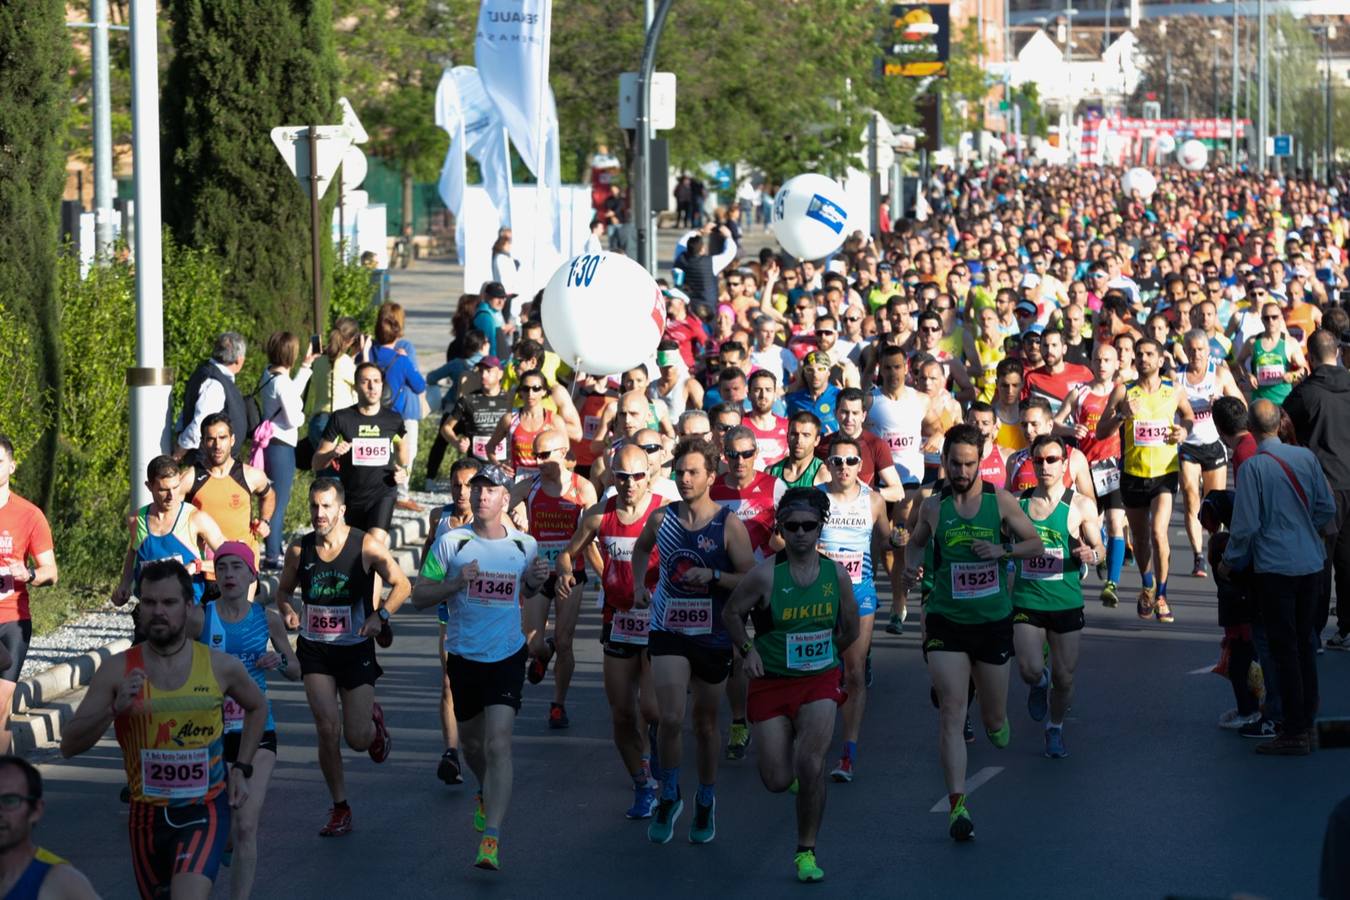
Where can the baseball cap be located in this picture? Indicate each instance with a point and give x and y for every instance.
(1027, 307)
(241, 551)
(495, 289)
(1038, 328)
(491, 362)
(491, 474)
(1031, 280)
(817, 358)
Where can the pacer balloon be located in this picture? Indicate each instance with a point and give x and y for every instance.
(603, 314)
(810, 218)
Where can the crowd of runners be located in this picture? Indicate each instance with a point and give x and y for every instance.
(961, 428)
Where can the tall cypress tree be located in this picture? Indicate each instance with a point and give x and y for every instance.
(241, 68)
(34, 64)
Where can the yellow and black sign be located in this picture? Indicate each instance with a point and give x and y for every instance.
(917, 41)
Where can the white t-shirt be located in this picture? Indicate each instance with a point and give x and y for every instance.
(483, 620)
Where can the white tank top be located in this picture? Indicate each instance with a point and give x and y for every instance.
(1201, 397)
(675, 400)
(900, 423)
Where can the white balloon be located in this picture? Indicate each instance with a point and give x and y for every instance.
(810, 216)
(603, 314)
(1165, 143)
(1193, 155)
(1141, 180)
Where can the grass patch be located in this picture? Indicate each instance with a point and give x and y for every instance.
(52, 607)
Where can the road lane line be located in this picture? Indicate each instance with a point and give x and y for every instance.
(1203, 670)
(972, 783)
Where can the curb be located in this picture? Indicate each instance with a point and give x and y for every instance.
(45, 701)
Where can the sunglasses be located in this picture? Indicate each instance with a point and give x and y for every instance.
(825, 331)
(928, 329)
(629, 476)
(1047, 460)
(740, 454)
(852, 318)
(845, 460)
(1271, 318)
(533, 388)
(651, 448)
(545, 454)
(796, 527)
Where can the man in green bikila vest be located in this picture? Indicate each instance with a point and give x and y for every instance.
(805, 617)
(1048, 593)
(968, 628)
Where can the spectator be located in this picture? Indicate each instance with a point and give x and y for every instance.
(1282, 497)
(506, 270)
(1319, 407)
(403, 383)
(283, 404)
(490, 320)
(333, 384)
(701, 271)
(212, 389)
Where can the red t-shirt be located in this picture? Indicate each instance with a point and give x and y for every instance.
(24, 533)
(685, 332)
(1055, 388)
(753, 505)
(1245, 450)
(771, 442)
(875, 454)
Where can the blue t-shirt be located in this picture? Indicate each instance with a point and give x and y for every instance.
(402, 377)
(488, 320)
(823, 407)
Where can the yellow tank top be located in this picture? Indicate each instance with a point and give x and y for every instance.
(1146, 451)
(1010, 437)
(172, 741)
(990, 356)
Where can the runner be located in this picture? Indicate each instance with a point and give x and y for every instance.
(1271, 362)
(1037, 421)
(1008, 380)
(704, 552)
(968, 631)
(521, 426)
(235, 625)
(993, 469)
(362, 440)
(897, 416)
(596, 403)
(801, 467)
(817, 395)
(943, 412)
(166, 528)
(856, 534)
(478, 571)
(615, 525)
(1204, 459)
(224, 488)
(27, 871)
(1157, 416)
(27, 560)
(335, 567)
(769, 428)
(876, 470)
(750, 495)
(471, 423)
(629, 415)
(181, 791)
(1056, 379)
(931, 334)
(675, 387)
(805, 618)
(552, 504)
(1047, 594)
(458, 512)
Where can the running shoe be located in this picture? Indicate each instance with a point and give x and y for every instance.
(843, 773)
(386, 636)
(1101, 570)
(487, 854)
(1143, 606)
(272, 564)
(1262, 729)
(1002, 737)
(339, 822)
(738, 742)
(959, 824)
(1337, 642)
(1164, 612)
(807, 870)
(1233, 720)
(382, 744)
(969, 731)
(1198, 570)
(479, 813)
(1038, 701)
(644, 801)
(448, 768)
(867, 670)
(1054, 744)
(667, 814)
(557, 716)
(1110, 599)
(537, 667)
(704, 827)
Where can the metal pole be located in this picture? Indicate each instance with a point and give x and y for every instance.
(1326, 55)
(316, 245)
(1279, 100)
(151, 384)
(103, 175)
(874, 171)
(1263, 91)
(1106, 31)
(642, 191)
(1232, 119)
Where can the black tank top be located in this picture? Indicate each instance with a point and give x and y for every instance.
(342, 582)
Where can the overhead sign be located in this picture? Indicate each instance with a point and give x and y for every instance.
(293, 143)
(1282, 145)
(917, 41)
(662, 113)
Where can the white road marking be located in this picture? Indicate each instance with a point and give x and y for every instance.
(972, 783)
(1203, 670)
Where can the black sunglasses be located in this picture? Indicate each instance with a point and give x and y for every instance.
(651, 448)
(740, 454)
(796, 527)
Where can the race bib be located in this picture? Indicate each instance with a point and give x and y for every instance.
(852, 561)
(478, 447)
(690, 616)
(809, 651)
(589, 426)
(901, 443)
(327, 623)
(1202, 414)
(1268, 375)
(491, 588)
(973, 580)
(371, 451)
(232, 714)
(1105, 476)
(1049, 567)
(630, 627)
(175, 774)
(1151, 432)
(550, 550)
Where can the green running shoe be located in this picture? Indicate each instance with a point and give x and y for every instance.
(807, 870)
(1001, 737)
(479, 813)
(1109, 597)
(663, 823)
(738, 742)
(487, 854)
(959, 824)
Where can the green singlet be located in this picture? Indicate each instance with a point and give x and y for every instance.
(967, 589)
(807, 478)
(1269, 367)
(795, 634)
(1050, 582)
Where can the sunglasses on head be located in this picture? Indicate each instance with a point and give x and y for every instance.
(796, 527)
(845, 460)
(740, 454)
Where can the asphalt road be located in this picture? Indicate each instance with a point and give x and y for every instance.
(1153, 801)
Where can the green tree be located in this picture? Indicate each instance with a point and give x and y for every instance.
(241, 68)
(964, 89)
(1028, 97)
(34, 65)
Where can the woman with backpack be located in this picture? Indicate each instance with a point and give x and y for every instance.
(281, 398)
(404, 387)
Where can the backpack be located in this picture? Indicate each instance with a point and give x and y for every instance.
(260, 430)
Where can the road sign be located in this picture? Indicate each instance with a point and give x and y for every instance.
(352, 123)
(662, 113)
(293, 143)
(354, 169)
(1282, 145)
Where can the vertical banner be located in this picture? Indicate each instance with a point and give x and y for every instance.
(512, 59)
(464, 110)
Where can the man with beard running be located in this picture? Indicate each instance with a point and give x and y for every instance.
(968, 630)
(805, 618)
(614, 526)
(704, 553)
(335, 567)
(172, 738)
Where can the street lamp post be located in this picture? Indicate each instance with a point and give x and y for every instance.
(1232, 117)
(1263, 87)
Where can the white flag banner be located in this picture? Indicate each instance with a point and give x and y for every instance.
(511, 53)
(464, 110)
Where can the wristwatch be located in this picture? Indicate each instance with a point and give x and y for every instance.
(383, 614)
(32, 576)
(716, 575)
(246, 768)
(1007, 549)
(745, 648)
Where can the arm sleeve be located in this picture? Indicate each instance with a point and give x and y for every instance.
(210, 399)
(413, 378)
